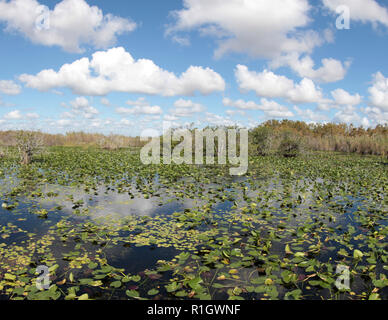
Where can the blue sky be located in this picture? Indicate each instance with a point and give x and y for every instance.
(128, 66)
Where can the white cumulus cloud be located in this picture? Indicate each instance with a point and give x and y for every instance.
(331, 70)
(13, 115)
(115, 70)
(347, 115)
(361, 10)
(260, 28)
(80, 107)
(9, 87)
(342, 97)
(218, 120)
(139, 102)
(376, 115)
(379, 92)
(305, 92)
(138, 110)
(186, 108)
(310, 115)
(32, 115)
(70, 25)
(268, 84)
(269, 107)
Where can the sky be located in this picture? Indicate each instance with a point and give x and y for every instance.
(129, 67)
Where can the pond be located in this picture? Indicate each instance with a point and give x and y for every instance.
(108, 227)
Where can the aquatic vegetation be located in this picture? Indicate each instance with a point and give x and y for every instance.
(109, 227)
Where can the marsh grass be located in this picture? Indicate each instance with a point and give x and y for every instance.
(264, 140)
(280, 136)
(76, 139)
(364, 145)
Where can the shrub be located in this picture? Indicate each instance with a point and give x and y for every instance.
(111, 142)
(262, 139)
(290, 145)
(28, 143)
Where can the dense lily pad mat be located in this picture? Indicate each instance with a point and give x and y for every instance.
(109, 227)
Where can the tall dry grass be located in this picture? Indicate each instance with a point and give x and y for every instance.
(333, 137)
(76, 139)
(365, 145)
(315, 137)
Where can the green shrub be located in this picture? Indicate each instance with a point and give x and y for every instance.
(290, 145)
(262, 139)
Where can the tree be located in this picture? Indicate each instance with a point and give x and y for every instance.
(262, 140)
(290, 145)
(28, 143)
